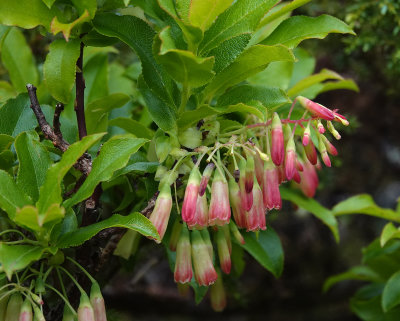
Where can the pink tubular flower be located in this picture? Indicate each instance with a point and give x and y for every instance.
(234, 197)
(220, 211)
(316, 109)
(271, 195)
(235, 232)
(309, 180)
(290, 159)
(191, 193)
(297, 177)
(162, 209)
(249, 176)
(183, 265)
(217, 295)
(207, 241)
(311, 153)
(85, 310)
(200, 219)
(307, 135)
(223, 252)
(277, 141)
(204, 270)
(340, 118)
(256, 216)
(320, 127)
(26, 311)
(329, 146)
(97, 302)
(323, 152)
(246, 198)
(205, 178)
(281, 173)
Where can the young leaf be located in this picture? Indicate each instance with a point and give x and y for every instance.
(18, 60)
(311, 205)
(294, 30)
(29, 217)
(389, 232)
(89, 5)
(183, 66)
(134, 221)
(114, 155)
(59, 68)
(266, 249)
(277, 74)
(66, 28)
(34, 161)
(242, 17)
(132, 126)
(11, 197)
(50, 192)
(391, 293)
(95, 73)
(202, 13)
(250, 62)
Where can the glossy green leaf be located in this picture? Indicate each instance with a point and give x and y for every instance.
(89, 5)
(242, 17)
(18, 60)
(17, 257)
(303, 67)
(277, 74)
(11, 196)
(132, 126)
(66, 28)
(59, 68)
(68, 224)
(17, 116)
(5, 142)
(294, 30)
(139, 36)
(134, 221)
(250, 62)
(202, 13)
(95, 73)
(389, 232)
(29, 217)
(348, 84)
(34, 161)
(183, 66)
(312, 206)
(50, 192)
(114, 154)
(6, 90)
(49, 3)
(96, 112)
(266, 249)
(364, 204)
(25, 13)
(6, 160)
(391, 293)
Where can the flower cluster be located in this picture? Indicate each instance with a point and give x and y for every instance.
(241, 177)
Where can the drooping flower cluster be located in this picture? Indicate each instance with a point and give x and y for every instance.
(240, 179)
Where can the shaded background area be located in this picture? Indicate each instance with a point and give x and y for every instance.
(369, 162)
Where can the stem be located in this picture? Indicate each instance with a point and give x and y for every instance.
(291, 108)
(72, 279)
(80, 95)
(81, 267)
(62, 297)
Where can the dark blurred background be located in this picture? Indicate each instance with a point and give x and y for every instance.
(369, 162)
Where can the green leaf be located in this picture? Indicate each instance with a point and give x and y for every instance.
(6, 90)
(11, 197)
(361, 273)
(340, 84)
(183, 66)
(138, 35)
(17, 116)
(89, 5)
(266, 249)
(50, 192)
(59, 68)
(17, 257)
(132, 126)
(391, 293)
(95, 73)
(114, 154)
(34, 161)
(250, 62)
(134, 221)
(295, 29)
(5, 142)
(96, 112)
(29, 217)
(66, 28)
(69, 224)
(202, 13)
(277, 74)
(303, 67)
(25, 13)
(18, 60)
(311, 205)
(389, 232)
(49, 3)
(270, 97)
(6, 160)
(242, 17)
(364, 204)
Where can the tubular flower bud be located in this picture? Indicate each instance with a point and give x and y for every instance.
(205, 178)
(68, 315)
(97, 302)
(281, 174)
(200, 219)
(26, 311)
(3, 306)
(227, 234)
(277, 141)
(246, 198)
(256, 216)
(85, 310)
(13, 307)
(320, 127)
(183, 266)
(316, 109)
(204, 271)
(271, 195)
(249, 176)
(299, 166)
(38, 314)
(191, 193)
(217, 295)
(239, 212)
(306, 135)
(311, 153)
(236, 233)
(220, 211)
(341, 118)
(333, 131)
(162, 209)
(329, 146)
(297, 177)
(207, 240)
(290, 159)
(309, 180)
(324, 153)
(223, 252)
(259, 168)
(175, 234)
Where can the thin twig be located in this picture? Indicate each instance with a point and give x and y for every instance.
(80, 95)
(56, 120)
